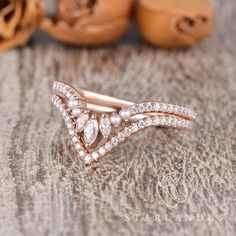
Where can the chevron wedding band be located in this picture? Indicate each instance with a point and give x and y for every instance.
(98, 123)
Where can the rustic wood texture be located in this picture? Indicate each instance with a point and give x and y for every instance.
(46, 190)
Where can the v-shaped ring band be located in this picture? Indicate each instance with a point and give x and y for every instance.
(98, 123)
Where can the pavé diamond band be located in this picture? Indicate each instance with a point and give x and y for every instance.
(98, 123)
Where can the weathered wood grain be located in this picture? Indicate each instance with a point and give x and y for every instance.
(46, 190)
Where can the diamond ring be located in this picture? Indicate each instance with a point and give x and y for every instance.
(98, 123)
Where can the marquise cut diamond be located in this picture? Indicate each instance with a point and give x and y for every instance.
(90, 131)
(105, 126)
(81, 120)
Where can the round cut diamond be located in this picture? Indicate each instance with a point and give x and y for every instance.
(141, 124)
(82, 153)
(66, 117)
(121, 136)
(108, 146)
(148, 121)
(76, 112)
(73, 103)
(75, 139)
(72, 132)
(141, 108)
(69, 125)
(134, 128)
(95, 156)
(157, 106)
(114, 141)
(78, 146)
(88, 158)
(102, 151)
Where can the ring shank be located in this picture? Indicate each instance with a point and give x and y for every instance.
(103, 103)
(106, 104)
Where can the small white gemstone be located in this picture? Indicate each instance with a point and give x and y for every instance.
(72, 132)
(186, 110)
(78, 146)
(76, 112)
(59, 87)
(170, 108)
(149, 106)
(63, 90)
(102, 151)
(66, 116)
(73, 103)
(56, 103)
(105, 126)
(125, 113)
(141, 124)
(75, 139)
(95, 156)
(148, 121)
(88, 158)
(132, 110)
(82, 153)
(189, 113)
(156, 121)
(134, 128)
(61, 108)
(175, 122)
(181, 109)
(168, 121)
(163, 120)
(120, 136)
(179, 123)
(90, 131)
(127, 131)
(157, 106)
(176, 109)
(69, 95)
(136, 109)
(163, 106)
(115, 119)
(114, 141)
(70, 125)
(81, 120)
(182, 124)
(108, 146)
(141, 108)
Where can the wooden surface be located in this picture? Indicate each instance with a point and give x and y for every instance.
(46, 190)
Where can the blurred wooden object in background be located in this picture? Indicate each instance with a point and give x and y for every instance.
(18, 19)
(88, 22)
(174, 23)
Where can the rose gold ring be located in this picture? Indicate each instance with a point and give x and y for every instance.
(98, 123)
